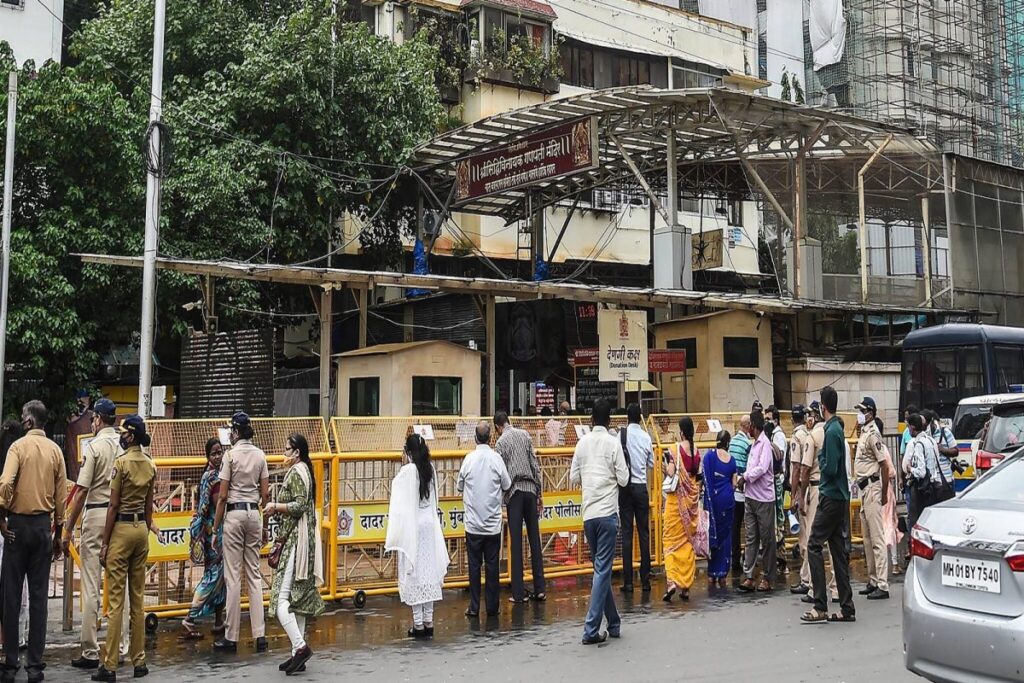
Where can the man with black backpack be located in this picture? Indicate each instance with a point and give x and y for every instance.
(634, 500)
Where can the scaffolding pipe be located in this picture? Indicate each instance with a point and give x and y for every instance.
(864, 222)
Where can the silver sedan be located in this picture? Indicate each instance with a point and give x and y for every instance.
(963, 602)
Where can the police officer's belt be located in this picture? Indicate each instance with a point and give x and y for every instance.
(242, 506)
(867, 481)
(96, 506)
(131, 517)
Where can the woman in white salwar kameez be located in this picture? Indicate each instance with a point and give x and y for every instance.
(414, 533)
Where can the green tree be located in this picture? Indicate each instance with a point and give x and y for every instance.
(839, 253)
(277, 128)
(786, 94)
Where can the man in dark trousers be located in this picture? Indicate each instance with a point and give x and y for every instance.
(634, 500)
(523, 503)
(33, 488)
(832, 521)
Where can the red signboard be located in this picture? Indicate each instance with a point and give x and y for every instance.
(566, 148)
(666, 360)
(658, 360)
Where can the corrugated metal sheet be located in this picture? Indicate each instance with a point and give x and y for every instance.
(226, 372)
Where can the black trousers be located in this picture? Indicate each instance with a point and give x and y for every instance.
(483, 550)
(29, 554)
(634, 504)
(738, 533)
(522, 509)
(831, 525)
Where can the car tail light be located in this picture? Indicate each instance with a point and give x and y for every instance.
(1015, 558)
(921, 543)
(987, 461)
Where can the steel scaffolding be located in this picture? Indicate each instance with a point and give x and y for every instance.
(950, 70)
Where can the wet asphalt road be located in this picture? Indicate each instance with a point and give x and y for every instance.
(717, 636)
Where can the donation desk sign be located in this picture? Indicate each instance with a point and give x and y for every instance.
(622, 345)
(566, 148)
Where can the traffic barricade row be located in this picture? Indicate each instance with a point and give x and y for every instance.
(355, 460)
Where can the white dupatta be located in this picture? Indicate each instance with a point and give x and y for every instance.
(402, 534)
(302, 539)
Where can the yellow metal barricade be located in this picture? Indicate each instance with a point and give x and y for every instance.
(354, 463)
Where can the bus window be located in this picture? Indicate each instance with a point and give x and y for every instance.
(1009, 362)
(972, 373)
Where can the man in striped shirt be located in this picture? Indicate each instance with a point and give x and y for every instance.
(523, 503)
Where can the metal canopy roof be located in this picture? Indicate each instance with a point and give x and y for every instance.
(716, 130)
(512, 289)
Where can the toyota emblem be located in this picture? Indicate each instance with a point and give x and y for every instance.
(970, 524)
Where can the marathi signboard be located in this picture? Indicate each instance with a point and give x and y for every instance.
(622, 345)
(566, 148)
(658, 360)
(368, 522)
(666, 360)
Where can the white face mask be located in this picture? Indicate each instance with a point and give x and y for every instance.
(861, 418)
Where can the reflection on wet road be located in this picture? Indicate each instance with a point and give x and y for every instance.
(717, 634)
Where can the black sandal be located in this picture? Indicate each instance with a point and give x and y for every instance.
(539, 597)
(843, 618)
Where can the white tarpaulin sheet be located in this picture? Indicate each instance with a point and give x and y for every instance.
(827, 27)
(740, 12)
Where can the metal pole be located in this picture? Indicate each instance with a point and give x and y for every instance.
(926, 240)
(152, 217)
(5, 247)
(326, 331)
(864, 225)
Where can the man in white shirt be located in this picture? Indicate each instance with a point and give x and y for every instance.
(634, 500)
(483, 480)
(600, 467)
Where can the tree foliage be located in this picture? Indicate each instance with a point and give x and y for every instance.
(282, 119)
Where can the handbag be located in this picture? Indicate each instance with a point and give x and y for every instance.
(671, 484)
(274, 559)
(196, 551)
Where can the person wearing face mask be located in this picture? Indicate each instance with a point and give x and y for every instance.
(92, 494)
(244, 491)
(207, 547)
(125, 547)
(872, 470)
(295, 591)
(33, 488)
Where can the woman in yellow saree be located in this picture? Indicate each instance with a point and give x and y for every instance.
(681, 514)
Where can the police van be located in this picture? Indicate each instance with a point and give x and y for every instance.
(971, 426)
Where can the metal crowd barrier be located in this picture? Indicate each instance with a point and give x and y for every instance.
(354, 462)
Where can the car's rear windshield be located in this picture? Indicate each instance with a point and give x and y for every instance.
(969, 420)
(1005, 431)
(1003, 483)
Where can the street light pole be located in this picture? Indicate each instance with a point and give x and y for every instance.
(5, 244)
(152, 215)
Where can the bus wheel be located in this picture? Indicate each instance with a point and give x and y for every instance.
(359, 599)
(151, 622)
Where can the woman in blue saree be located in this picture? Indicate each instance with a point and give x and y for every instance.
(719, 486)
(209, 594)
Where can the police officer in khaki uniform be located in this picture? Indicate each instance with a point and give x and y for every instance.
(872, 470)
(244, 491)
(92, 493)
(125, 545)
(797, 443)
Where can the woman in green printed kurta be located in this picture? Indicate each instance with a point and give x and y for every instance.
(295, 592)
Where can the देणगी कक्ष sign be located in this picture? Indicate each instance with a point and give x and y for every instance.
(622, 345)
(368, 522)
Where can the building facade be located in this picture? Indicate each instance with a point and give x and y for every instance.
(33, 29)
